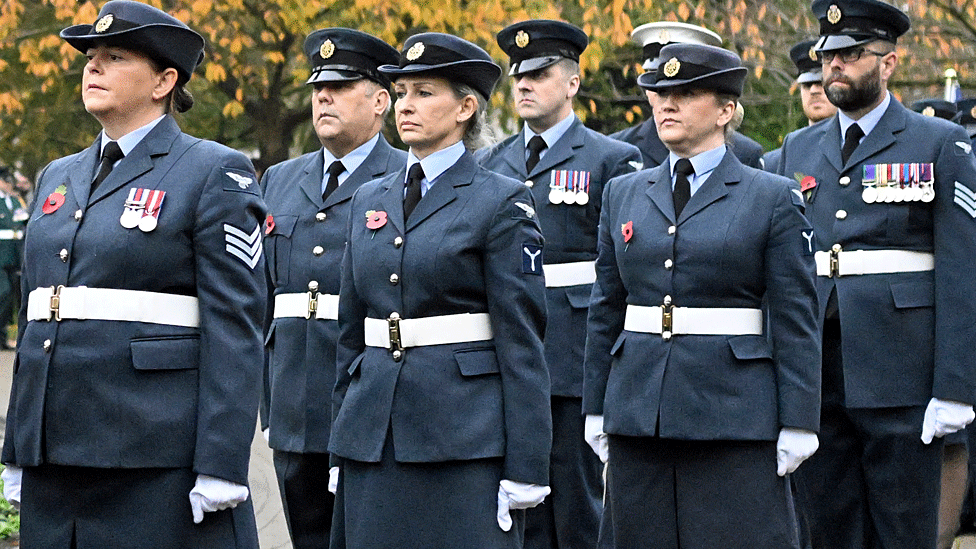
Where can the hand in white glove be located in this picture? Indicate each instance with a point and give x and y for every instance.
(943, 417)
(793, 448)
(267, 434)
(12, 476)
(517, 495)
(214, 494)
(333, 479)
(595, 437)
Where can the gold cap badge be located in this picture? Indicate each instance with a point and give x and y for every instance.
(104, 23)
(672, 67)
(415, 51)
(929, 111)
(327, 49)
(972, 112)
(833, 14)
(664, 36)
(812, 53)
(521, 39)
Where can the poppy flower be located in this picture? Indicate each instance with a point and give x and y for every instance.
(627, 229)
(375, 220)
(269, 224)
(54, 200)
(807, 183)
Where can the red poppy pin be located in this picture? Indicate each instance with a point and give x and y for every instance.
(807, 183)
(627, 229)
(375, 220)
(54, 200)
(269, 224)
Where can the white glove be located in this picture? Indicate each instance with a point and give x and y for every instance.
(517, 495)
(943, 417)
(12, 476)
(214, 494)
(793, 448)
(333, 479)
(267, 434)
(595, 437)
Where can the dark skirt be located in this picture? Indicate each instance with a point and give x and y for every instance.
(90, 508)
(670, 494)
(444, 505)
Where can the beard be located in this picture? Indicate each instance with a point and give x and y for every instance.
(859, 94)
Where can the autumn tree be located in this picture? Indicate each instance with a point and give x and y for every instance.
(250, 91)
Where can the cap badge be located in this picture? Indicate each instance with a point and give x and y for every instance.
(672, 67)
(664, 36)
(812, 53)
(972, 111)
(521, 39)
(415, 51)
(104, 23)
(833, 14)
(327, 49)
(929, 111)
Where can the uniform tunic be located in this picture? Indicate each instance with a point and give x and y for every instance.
(570, 516)
(899, 338)
(478, 410)
(305, 239)
(135, 396)
(737, 244)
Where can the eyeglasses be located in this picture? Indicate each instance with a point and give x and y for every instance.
(847, 55)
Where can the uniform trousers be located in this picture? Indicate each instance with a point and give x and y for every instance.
(91, 508)
(691, 494)
(303, 480)
(872, 484)
(569, 518)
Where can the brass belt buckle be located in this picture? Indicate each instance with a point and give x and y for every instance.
(835, 260)
(56, 304)
(667, 311)
(396, 345)
(313, 300)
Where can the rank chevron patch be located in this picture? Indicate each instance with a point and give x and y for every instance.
(243, 246)
(966, 199)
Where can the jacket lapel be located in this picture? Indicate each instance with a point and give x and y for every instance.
(140, 159)
(561, 150)
(392, 199)
(882, 136)
(659, 190)
(715, 187)
(311, 182)
(81, 175)
(373, 167)
(443, 192)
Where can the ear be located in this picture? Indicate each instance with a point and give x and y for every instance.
(888, 64)
(380, 101)
(574, 85)
(165, 82)
(726, 113)
(467, 108)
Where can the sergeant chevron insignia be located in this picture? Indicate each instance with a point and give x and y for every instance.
(966, 199)
(244, 246)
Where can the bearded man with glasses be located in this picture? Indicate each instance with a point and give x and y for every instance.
(891, 195)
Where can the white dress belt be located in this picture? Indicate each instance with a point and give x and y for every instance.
(668, 321)
(397, 333)
(307, 305)
(11, 234)
(82, 303)
(838, 262)
(559, 275)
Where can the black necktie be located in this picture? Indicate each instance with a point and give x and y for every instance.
(851, 138)
(536, 145)
(682, 187)
(334, 170)
(111, 155)
(414, 177)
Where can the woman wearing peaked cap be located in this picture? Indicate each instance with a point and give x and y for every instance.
(138, 364)
(442, 428)
(702, 368)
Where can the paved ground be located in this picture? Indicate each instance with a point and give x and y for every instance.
(264, 488)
